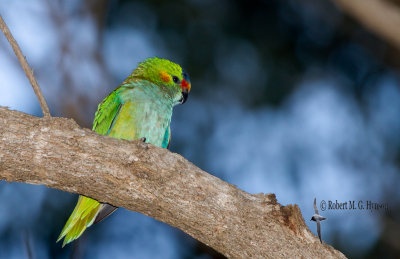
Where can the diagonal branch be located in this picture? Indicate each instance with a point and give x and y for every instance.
(25, 66)
(379, 16)
(156, 182)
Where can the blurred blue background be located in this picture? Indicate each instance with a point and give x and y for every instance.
(288, 97)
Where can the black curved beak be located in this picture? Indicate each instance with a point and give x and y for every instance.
(185, 86)
(185, 95)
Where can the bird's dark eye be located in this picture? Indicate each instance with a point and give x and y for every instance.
(175, 79)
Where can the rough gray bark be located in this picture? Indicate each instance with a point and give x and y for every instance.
(56, 152)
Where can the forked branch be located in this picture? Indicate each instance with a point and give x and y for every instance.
(156, 182)
(140, 177)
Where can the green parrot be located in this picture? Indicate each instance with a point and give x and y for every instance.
(140, 108)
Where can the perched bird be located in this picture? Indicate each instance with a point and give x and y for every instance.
(317, 218)
(140, 108)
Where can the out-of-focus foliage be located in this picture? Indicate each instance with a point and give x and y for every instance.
(290, 97)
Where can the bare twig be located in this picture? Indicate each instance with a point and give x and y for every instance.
(28, 246)
(380, 17)
(25, 66)
(155, 182)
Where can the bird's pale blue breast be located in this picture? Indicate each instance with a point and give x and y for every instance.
(145, 112)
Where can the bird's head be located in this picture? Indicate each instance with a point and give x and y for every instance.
(169, 76)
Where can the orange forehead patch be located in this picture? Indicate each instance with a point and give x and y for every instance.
(164, 76)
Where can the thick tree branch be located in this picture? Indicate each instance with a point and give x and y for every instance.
(28, 71)
(57, 153)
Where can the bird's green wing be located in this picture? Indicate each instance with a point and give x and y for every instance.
(167, 138)
(107, 113)
(87, 209)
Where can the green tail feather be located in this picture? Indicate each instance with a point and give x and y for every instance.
(82, 217)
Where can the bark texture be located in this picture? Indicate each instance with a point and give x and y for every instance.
(56, 152)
